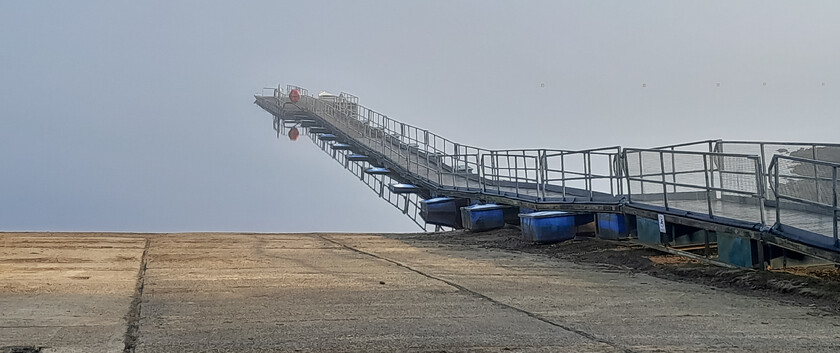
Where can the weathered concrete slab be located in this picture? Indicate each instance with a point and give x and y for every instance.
(348, 293)
(67, 293)
(319, 298)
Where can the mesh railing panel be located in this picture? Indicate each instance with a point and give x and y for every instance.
(805, 181)
(767, 150)
(807, 194)
(695, 182)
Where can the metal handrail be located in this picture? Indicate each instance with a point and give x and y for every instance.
(548, 173)
(833, 207)
(428, 153)
(687, 144)
(704, 184)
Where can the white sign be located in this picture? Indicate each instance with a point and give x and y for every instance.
(662, 224)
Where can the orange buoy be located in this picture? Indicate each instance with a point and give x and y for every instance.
(294, 96)
(294, 134)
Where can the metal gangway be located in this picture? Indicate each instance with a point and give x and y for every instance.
(779, 193)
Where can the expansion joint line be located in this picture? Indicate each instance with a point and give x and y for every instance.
(132, 318)
(475, 294)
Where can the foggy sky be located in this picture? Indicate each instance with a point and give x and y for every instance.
(138, 116)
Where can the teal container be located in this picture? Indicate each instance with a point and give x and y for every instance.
(481, 218)
(647, 231)
(738, 251)
(547, 226)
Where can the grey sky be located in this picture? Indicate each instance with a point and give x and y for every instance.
(131, 116)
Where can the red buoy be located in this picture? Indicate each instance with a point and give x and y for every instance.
(294, 96)
(294, 134)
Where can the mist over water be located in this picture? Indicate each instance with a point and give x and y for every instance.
(138, 117)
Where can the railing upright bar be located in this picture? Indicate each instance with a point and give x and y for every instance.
(816, 176)
(641, 172)
(834, 203)
(762, 192)
(716, 147)
(766, 181)
(708, 190)
(625, 164)
(721, 168)
(481, 173)
(612, 175)
(515, 172)
(664, 183)
(674, 166)
(588, 170)
(563, 173)
(775, 164)
(542, 164)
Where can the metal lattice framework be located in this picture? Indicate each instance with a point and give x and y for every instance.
(785, 188)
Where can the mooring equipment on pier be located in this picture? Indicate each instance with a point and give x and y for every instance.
(753, 204)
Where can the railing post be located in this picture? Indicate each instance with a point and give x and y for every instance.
(834, 203)
(775, 164)
(626, 173)
(816, 175)
(674, 168)
(563, 173)
(762, 193)
(588, 172)
(611, 175)
(516, 173)
(708, 190)
(543, 169)
(764, 166)
(664, 183)
(721, 167)
(481, 174)
(641, 173)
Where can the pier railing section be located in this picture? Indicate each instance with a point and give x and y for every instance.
(765, 150)
(802, 184)
(714, 179)
(695, 182)
(596, 172)
(534, 174)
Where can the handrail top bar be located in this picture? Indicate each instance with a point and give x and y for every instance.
(616, 148)
(804, 160)
(557, 151)
(687, 144)
(782, 143)
(719, 154)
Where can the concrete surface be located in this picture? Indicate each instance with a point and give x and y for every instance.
(365, 292)
(67, 292)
